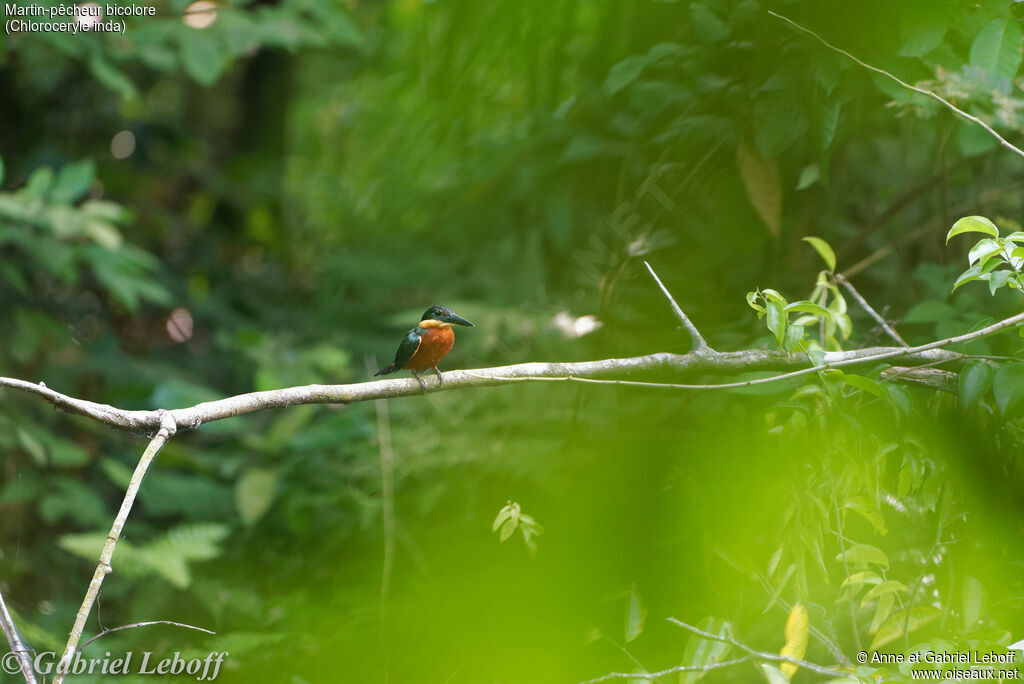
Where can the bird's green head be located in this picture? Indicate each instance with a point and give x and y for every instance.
(443, 314)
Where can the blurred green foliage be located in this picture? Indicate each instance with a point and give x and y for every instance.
(304, 177)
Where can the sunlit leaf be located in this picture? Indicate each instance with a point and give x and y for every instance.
(982, 250)
(807, 307)
(973, 224)
(824, 250)
(636, 614)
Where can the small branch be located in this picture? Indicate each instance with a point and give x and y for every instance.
(18, 647)
(921, 91)
(761, 655)
(144, 624)
(166, 431)
(671, 670)
(843, 359)
(839, 278)
(700, 345)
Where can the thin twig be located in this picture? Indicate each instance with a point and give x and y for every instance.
(839, 278)
(166, 431)
(671, 670)
(921, 91)
(699, 343)
(761, 655)
(144, 624)
(18, 647)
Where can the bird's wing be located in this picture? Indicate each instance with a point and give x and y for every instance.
(407, 349)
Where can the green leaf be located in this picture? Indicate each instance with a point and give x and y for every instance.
(110, 76)
(201, 56)
(973, 601)
(807, 307)
(777, 321)
(794, 338)
(893, 627)
(926, 34)
(707, 26)
(983, 249)
(780, 120)
(636, 614)
(998, 49)
(73, 181)
(773, 675)
(866, 509)
(507, 529)
(808, 177)
(1, 171)
(863, 577)
(823, 249)
(509, 511)
(254, 493)
(763, 183)
(865, 553)
(976, 272)
(629, 69)
(999, 279)
(866, 384)
(974, 383)
(973, 224)
(752, 298)
(1008, 386)
(701, 652)
(881, 589)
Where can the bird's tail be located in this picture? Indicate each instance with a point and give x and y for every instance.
(385, 371)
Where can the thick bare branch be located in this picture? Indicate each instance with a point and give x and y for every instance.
(699, 343)
(19, 648)
(708, 362)
(166, 431)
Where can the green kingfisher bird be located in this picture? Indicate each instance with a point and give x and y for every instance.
(426, 344)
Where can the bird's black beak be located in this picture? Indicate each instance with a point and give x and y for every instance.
(456, 320)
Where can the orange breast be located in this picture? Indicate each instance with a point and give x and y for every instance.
(434, 346)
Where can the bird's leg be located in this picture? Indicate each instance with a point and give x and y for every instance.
(440, 378)
(419, 379)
